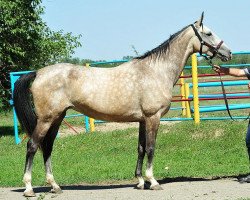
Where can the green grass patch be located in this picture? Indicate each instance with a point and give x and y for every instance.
(209, 150)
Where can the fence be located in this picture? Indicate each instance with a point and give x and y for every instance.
(189, 93)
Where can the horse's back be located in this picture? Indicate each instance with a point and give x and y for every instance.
(98, 92)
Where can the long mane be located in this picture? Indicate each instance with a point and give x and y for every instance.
(162, 48)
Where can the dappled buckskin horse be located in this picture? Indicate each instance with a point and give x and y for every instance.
(137, 91)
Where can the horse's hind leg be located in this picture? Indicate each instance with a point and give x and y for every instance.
(34, 142)
(141, 154)
(47, 147)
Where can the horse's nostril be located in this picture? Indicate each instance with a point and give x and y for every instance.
(231, 55)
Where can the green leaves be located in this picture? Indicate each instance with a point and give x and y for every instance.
(27, 43)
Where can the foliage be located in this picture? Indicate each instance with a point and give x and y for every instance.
(26, 42)
(83, 62)
(77, 61)
(237, 59)
(127, 57)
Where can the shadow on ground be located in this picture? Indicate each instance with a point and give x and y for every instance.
(6, 130)
(118, 186)
(192, 179)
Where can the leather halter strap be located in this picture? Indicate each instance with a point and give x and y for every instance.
(213, 49)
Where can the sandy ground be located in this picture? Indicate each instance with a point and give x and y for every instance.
(103, 127)
(196, 189)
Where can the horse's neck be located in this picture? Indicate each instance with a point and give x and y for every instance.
(171, 66)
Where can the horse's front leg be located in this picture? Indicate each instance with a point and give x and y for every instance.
(152, 125)
(141, 154)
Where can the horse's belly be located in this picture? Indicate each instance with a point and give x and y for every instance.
(110, 111)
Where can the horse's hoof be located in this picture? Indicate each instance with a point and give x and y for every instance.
(156, 187)
(29, 193)
(140, 187)
(56, 191)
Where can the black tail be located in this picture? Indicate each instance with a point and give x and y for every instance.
(23, 104)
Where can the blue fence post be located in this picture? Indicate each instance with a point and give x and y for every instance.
(17, 139)
(87, 127)
(13, 78)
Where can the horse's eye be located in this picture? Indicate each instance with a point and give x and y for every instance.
(209, 34)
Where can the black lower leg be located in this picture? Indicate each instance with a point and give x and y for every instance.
(47, 144)
(31, 151)
(141, 149)
(48, 141)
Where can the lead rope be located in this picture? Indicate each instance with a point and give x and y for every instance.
(223, 89)
(226, 101)
(225, 97)
(224, 94)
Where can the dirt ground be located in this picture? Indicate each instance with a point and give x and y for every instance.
(173, 189)
(103, 127)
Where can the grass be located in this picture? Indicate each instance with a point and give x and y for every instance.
(213, 149)
(243, 199)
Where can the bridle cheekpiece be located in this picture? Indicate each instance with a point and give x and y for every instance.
(214, 50)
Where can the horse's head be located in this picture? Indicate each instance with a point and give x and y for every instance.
(207, 42)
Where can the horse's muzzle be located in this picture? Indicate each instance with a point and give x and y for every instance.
(224, 57)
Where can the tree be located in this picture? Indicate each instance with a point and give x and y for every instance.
(27, 43)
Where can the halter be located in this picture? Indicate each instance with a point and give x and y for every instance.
(214, 50)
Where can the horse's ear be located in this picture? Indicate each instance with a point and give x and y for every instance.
(199, 22)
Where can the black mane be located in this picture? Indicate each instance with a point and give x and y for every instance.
(162, 48)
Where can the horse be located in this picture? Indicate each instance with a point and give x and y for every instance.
(137, 91)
